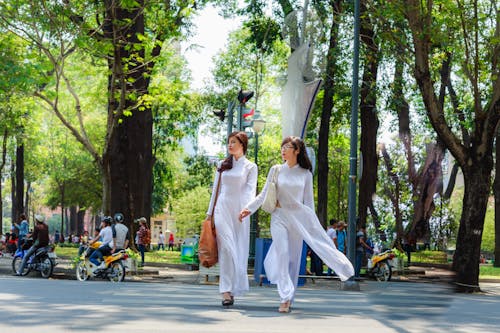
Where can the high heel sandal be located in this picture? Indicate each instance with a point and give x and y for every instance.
(284, 307)
(228, 301)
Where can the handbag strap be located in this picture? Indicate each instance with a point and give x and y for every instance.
(216, 197)
(276, 173)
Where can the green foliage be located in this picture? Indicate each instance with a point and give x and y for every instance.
(190, 209)
(264, 32)
(488, 240)
(200, 172)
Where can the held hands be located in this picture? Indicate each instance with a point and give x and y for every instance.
(244, 213)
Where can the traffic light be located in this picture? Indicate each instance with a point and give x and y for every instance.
(247, 118)
(244, 96)
(244, 112)
(221, 114)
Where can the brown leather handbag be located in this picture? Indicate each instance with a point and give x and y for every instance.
(207, 247)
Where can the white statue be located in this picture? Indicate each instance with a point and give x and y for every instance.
(300, 90)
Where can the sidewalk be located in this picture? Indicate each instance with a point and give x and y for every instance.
(171, 273)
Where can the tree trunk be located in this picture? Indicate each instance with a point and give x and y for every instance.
(369, 119)
(128, 159)
(477, 181)
(80, 222)
(496, 192)
(2, 165)
(476, 159)
(451, 183)
(61, 189)
(428, 184)
(326, 113)
(73, 220)
(19, 180)
(13, 211)
(394, 195)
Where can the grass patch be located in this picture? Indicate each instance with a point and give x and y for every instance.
(66, 252)
(429, 257)
(165, 257)
(489, 272)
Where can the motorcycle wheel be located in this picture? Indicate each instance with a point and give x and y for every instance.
(117, 272)
(46, 267)
(82, 274)
(384, 272)
(16, 264)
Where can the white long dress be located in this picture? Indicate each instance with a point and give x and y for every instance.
(237, 187)
(293, 222)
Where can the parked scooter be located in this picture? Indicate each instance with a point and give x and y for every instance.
(114, 269)
(379, 266)
(42, 260)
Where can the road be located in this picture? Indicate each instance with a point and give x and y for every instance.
(32, 304)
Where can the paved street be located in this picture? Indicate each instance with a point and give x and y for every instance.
(37, 305)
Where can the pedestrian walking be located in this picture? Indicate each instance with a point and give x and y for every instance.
(238, 181)
(171, 242)
(293, 221)
(143, 238)
(161, 241)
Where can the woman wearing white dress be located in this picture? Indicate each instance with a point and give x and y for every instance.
(237, 187)
(294, 221)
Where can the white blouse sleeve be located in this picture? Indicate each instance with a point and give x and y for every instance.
(251, 184)
(214, 189)
(255, 204)
(308, 191)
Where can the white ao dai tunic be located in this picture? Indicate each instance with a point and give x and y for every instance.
(293, 222)
(238, 186)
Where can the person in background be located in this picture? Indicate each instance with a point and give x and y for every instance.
(294, 221)
(332, 233)
(238, 183)
(141, 238)
(3, 242)
(106, 237)
(22, 230)
(40, 239)
(121, 235)
(171, 242)
(161, 241)
(341, 237)
(12, 243)
(57, 237)
(361, 248)
(83, 242)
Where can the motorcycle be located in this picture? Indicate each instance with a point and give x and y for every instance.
(114, 269)
(42, 260)
(379, 267)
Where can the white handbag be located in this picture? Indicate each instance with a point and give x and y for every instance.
(271, 199)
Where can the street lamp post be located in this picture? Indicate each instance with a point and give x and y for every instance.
(351, 284)
(258, 126)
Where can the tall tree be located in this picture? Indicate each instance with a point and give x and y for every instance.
(128, 36)
(496, 192)
(16, 82)
(475, 37)
(326, 112)
(369, 120)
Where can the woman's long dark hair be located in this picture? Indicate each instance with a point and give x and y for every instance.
(298, 144)
(242, 137)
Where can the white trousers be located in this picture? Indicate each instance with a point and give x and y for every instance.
(288, 229)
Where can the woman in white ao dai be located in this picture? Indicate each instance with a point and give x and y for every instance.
(237, 187)
(293, 222)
